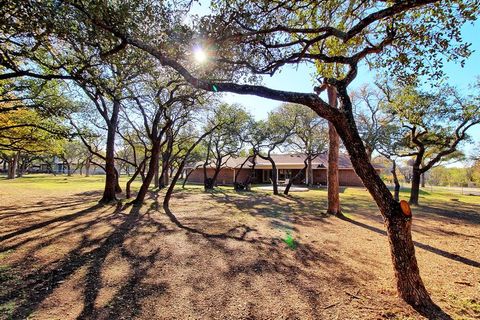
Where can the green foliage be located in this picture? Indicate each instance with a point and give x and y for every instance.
(233, 131)
(310, 134)
(442, 176)
(433, 124)
(411, 41)
(26, 130)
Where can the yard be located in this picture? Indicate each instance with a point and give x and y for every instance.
(230, 255)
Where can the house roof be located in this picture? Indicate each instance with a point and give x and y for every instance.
(289, 160)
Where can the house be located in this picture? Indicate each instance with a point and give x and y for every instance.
(288, 165)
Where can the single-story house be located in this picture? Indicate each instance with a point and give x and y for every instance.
(288, 165)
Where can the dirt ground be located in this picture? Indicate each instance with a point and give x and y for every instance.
(233, 256)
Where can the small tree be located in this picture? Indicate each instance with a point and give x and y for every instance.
(309, 138)
(226, 141)
(268, 135)
(433, 126)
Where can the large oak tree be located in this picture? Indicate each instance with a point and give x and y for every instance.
(249, 38)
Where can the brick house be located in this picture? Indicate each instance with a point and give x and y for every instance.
(288, 165)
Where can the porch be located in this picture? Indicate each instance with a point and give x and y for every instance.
(283, 176)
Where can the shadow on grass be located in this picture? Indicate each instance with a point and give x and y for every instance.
(35, 287)
(89, 255)
(42, 206)
(294, 210)
(420, 245)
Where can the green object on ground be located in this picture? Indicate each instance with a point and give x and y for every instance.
(290, 241)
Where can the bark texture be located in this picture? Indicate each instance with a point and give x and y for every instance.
(333, 155)
(415, 189)
(111, 180)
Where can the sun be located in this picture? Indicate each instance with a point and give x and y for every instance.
(200, 55)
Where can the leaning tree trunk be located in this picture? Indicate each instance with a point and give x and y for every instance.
(155, 155)
(297, 176)
(415, 190)
(274, 176)
(188, 175)
(128, 192)
(236, 185)
(396, 192)
(218, 168)
(409, 283)
(333, 155)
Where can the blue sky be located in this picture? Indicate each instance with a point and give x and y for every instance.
(300, 78)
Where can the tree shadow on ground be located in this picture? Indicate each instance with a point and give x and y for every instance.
(33, 287)
(283, 208)
(246, 255)
(469, 213)
(420, 245)
(9, 212)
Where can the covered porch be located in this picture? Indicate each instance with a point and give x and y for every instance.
(284, 175)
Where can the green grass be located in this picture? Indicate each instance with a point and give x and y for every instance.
(50, 182)
(359, 196)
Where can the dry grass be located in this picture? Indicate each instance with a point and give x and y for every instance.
(235, 256)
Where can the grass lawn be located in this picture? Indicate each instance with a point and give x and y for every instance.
(230, 255)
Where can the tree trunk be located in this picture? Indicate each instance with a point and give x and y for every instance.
(156, 179)
(396, 193)
(87, 167)
(297, 176)
(164, 179)
(415, 190)
(186, 177)
(333, 155)
(274, 176)
(409, 284)
(310, 172)
(239, 186)
(69, 171)
(118, 189)
(423, 179)
(168, 194)
(218, 168)
(12, 166)
(155, 155)
(21, 165)
(128, 192)
(109, 193)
